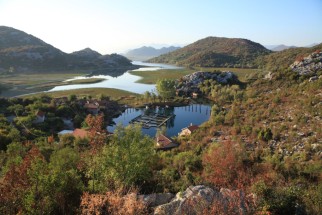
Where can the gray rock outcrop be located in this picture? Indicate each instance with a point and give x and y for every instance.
(308, 65)
(190, 83)
(156, 199)
(198, 199)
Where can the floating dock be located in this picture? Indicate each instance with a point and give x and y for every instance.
(148, 121)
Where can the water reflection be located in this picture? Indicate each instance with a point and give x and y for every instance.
(184, 116)
(126, 81)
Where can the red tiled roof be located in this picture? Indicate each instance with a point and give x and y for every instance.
(81, 133)
(165, 142)
(90, 106)
(40, 113)
(164, 139)
(192, 128)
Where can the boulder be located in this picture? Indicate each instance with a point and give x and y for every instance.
(156, 199)
(191, 201)
(198, 199)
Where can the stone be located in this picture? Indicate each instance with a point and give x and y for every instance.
(269, 76)
(156, 199)
(197, 199)
(314, 78)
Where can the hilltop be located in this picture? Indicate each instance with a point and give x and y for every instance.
(148, 52)
(21, 52)
(216, 52)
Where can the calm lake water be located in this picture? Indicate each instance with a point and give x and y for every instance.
(126, 81)
(184, 116)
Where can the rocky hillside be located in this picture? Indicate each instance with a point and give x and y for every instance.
(216, 52)
(145, 53)
(309, 65)
(283, 59)
(191, 83)
(22, 52)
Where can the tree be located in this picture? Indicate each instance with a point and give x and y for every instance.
(127, 161)
(147, 95)
(97, 133)
(224, 166)
(166, 88)
(72, 97)
(17, 109)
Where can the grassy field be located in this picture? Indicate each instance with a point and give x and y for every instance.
(151, 77)
(18, 84)
(93, 92)
(85, 81)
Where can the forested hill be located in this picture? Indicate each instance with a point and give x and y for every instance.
(22, 52)
(216, 52)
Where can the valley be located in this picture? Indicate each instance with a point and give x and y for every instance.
(220, 126)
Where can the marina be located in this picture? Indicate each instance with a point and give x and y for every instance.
(148, 121)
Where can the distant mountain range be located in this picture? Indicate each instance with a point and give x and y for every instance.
(216, 52)
(147, 52)
(25, 53)
(22, 52)
(283, 47)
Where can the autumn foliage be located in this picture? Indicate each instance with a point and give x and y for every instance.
(16, 181)
(112, 203)
(224, 166)
(97, 133)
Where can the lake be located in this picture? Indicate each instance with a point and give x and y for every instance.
(184, 116)
(126, 81)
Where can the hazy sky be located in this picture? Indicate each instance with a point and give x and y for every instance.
(117, 25)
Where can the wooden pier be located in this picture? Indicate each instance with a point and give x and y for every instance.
(148, 121)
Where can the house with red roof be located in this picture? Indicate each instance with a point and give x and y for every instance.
(92, 108)
(188, 130)
(165, 143)
(40, 117)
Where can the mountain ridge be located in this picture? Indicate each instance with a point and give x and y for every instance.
(215, 52)
(27, 53)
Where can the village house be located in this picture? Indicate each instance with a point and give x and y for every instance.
(40, 117)
(60, 101)
(165, 143)
(92, 108)
(188, 130)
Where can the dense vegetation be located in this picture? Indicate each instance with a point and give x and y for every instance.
(263, 139)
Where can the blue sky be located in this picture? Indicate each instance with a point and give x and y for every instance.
(110, 26)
